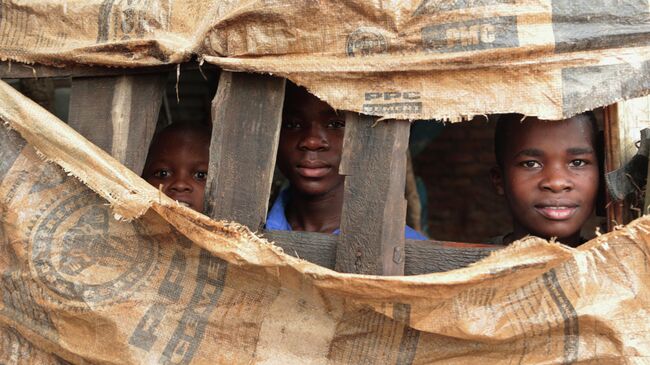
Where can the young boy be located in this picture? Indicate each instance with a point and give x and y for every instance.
(178, 160)
(309, 154)
(548, 172)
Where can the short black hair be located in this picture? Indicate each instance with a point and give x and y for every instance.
(294, 95)
(501, 131)
(203, 130)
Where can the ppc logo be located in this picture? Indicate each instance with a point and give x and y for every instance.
(127, 19)
(366, 41)
(392, 95)
(473, 35)
(392, 103)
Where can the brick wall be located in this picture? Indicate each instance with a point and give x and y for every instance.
(455, 167)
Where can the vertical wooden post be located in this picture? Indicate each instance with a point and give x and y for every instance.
(246, 120)
(374, 208)
(645, 137)
(615, 209)
(623, 124)
(118, 114)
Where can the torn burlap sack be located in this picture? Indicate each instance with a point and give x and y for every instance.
(165, 284)
(410, 59)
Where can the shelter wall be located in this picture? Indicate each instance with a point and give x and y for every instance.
(455, 167)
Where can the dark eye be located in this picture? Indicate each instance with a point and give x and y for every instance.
(161, 174)
(531, 164)
(201, 175)
(291, 124)
(336, 124)
(578, 163)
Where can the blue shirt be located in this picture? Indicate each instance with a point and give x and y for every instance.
(277, 220)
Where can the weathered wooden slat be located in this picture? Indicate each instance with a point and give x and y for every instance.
(422, 257)
(118, 114)
(17, 70)
(613, 158)
(374, 208)
(623, 124)
(246, 120)
(645, 135)
(319, 248)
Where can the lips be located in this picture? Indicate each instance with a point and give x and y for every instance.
(313, 168)
(558, 211)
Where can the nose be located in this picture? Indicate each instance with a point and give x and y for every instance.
(314, 138)
(180, 184)
(557, 179)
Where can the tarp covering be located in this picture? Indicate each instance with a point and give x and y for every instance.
(167, 285)
(410, 59)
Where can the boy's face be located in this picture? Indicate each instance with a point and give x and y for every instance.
(311, 141)
(179, 161)
(549, 177)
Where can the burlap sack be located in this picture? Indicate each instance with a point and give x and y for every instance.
(167, 285)
(409, 59)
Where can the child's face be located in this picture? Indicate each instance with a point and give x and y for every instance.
(310, 146)
(549, 177)
(179, 161)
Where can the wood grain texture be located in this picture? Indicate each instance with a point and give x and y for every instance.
(319, 248)
(645, 134)
(17, 70)
(374, 208)
(246, 120)
(118, 114)
(413, 205)
(623, 124)
(613, 160)
(422, 257)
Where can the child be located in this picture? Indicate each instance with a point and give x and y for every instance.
(178, 160)
(309, 154)
(548, 172)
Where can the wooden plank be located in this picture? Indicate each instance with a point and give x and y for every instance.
(17, 70)
(422, 257)
(246, 120)
(623, 124)
(374, 208)
(319, 248)
(613, 158)
(118, 114)
(645, 135)
(413, 205)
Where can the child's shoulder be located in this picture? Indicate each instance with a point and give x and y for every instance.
(411, 234)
